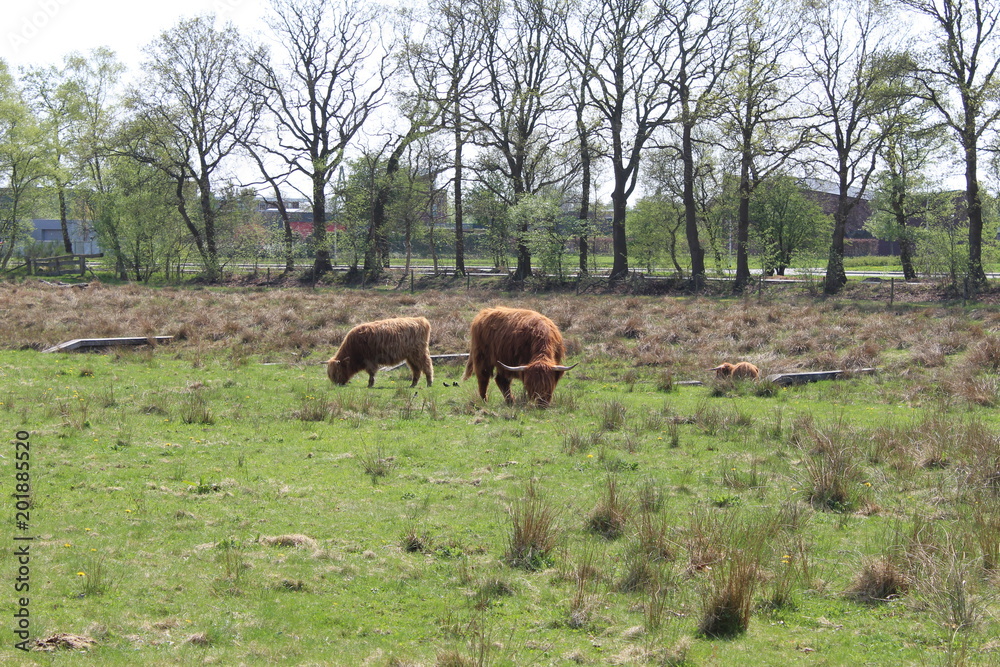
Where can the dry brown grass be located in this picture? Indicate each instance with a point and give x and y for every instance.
(783, 332)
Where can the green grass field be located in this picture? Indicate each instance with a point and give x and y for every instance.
(218, 501)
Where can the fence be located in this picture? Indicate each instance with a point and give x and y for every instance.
(59, 266)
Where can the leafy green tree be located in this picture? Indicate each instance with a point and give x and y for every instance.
(648, 227)
(785, 224)
(903, 191)
(549, 231)
(21, 166)
(492, 212)
(56, 94)
(99, 74)
(139, 224)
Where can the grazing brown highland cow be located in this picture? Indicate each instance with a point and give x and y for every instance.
(518, 344)
(381, 343)
(743, 370)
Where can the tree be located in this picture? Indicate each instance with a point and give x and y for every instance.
(630, 63)
(903, 188)
(523, 81)
(577, 50)
(55, 94)
(703, 42)
(421, 116)
(452, 50)
(849, 65)
(99, 74)
(21, 164)
(958, 75)
(785, 223)
(332, 81)
(491, 211)
(761, 122)
(193, 110)
(139, 224)
(547, 229)
(648, 226)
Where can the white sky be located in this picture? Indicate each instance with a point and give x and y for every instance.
(42, 32)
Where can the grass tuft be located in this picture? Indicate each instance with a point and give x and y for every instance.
(533, 532)
(610, 516)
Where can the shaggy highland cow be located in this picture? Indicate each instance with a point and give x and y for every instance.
(743, 370)
(518, 344)
(381, 343)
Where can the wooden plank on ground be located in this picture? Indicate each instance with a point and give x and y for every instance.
(93, 343)
(784, 379)
(434, 357)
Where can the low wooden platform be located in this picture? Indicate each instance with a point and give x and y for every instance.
(785, 379)
(84, 344)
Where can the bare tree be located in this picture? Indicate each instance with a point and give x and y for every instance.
(847, 62)
(193, 110)
(456, 34)
(332, 80)
(761, 119)
(420, 115)
(522, 94)
(630, 66)
(958, 75)
(702, 43)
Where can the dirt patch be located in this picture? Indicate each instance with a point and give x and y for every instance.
(65, 641)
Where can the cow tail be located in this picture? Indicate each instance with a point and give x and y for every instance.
(468, 369)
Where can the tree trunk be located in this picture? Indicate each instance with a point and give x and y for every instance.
(619, 268)
(321, 264)
(743, 221)
(67, 241)
(974, 204)
(213, 270)
(898, 203)
(690, 209)
(836, 277)
(584, 200)
(459, 238)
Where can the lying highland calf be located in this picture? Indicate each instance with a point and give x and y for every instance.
(517, 344)
(743, 370)
(381, 343)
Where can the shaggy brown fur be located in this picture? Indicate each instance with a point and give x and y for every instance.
(381, 343)
(517, 344)
(742, 370)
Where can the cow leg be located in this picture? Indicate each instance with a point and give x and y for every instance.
(484, 383)
(371, 379)
(504, 383)
(414, 371)
(428, 368)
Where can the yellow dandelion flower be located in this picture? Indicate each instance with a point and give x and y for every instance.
(81, 574)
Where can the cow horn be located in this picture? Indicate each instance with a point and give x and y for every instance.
(513, 369)
(565, 368)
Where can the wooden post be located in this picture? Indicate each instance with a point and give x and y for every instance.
(892, 289)
(411, 281)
